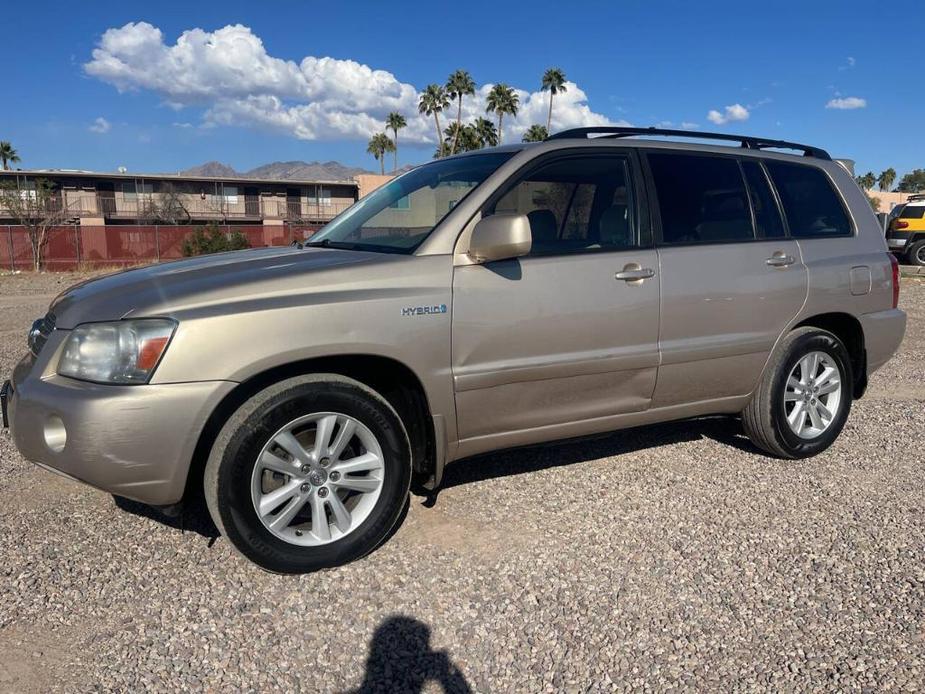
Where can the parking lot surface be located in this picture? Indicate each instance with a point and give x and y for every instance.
(670, 556)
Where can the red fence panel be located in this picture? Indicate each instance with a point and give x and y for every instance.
(74, 247)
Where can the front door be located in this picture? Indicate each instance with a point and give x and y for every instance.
(731, 279)
(555, 343)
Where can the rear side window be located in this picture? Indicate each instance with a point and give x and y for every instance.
(810, 203)
(768, 222)
(701, 199)
(912, 212)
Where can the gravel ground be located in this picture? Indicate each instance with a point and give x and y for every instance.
(663, 557)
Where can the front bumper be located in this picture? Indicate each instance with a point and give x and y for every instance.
(134, 441)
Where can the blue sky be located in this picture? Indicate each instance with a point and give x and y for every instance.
(110, 86)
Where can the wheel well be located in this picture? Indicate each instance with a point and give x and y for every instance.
(394, 381)
(848, 329)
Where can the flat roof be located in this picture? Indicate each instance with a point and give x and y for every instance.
(78, 173)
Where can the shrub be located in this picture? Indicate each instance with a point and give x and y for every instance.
(211, 239)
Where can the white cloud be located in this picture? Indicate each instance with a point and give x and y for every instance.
(101, 126)
(847, 103)
(736, 112)
(687, 125)
(229, 74)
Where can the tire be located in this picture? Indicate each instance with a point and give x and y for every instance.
(765, 418)
(300, 406)
(915, 254)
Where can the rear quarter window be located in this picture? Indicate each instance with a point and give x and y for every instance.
(912, 212)
(811, 205)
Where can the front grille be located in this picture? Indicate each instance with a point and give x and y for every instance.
(41, 329)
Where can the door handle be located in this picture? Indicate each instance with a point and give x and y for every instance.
(780, 259)
(634, 273)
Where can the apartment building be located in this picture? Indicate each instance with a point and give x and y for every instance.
(102, 199)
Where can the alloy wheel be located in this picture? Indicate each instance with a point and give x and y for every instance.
(317, 479)
(813, 395)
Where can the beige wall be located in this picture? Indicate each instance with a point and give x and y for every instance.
(888, 200)
(369, 182)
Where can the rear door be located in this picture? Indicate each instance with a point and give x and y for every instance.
(731, 279)
(552, 344)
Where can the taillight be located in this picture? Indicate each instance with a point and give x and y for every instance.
(900, 224)
(895, 264)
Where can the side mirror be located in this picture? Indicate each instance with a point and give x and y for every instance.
(500, 237)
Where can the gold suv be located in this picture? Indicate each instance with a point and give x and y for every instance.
(499, 298)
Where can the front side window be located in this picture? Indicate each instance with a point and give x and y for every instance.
(575, 204)
(383, 221)
(701, 199)
(810, 204)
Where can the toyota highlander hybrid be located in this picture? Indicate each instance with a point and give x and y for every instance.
(499, 298)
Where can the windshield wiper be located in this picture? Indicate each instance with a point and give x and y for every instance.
(328, 243)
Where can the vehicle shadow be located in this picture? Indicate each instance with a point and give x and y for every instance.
(722, 429)
(192, 517)
(401, 659)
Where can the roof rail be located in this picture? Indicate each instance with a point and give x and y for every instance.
(916, 197)
(747, 142)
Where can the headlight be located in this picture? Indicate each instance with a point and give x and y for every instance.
(121, 352)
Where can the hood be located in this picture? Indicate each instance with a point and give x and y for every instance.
(214, 283)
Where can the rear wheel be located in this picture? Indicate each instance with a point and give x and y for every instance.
(804, 397)
(915, 254)
(310, 473)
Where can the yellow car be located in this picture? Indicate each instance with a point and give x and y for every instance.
(906, 233)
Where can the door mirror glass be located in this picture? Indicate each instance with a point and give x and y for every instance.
(500, 237)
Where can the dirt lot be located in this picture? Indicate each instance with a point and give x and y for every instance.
(666, 556)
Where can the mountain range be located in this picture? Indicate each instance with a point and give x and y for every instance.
(282, 170)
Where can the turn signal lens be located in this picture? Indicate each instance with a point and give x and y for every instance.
(150, 353)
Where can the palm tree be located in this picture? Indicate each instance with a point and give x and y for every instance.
(458, 85)
(396, 122)
(886, 178)
(554, 82)
(433, 100)
(7, 154)
(867, 181)
(379, 144)
(466, 137)
(501, 100)
(535, 133)
(485, 132)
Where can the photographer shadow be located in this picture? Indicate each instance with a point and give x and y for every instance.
(401, 660)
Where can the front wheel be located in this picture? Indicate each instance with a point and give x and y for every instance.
(310, 473)
(804, 397)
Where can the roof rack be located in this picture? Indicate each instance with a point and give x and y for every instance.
(747, 142)
(916, 197)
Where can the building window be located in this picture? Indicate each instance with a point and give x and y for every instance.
(405, 203)
(319, 196)
(231, 195)
(131, 191)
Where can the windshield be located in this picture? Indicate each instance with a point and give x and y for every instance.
(397, 217)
